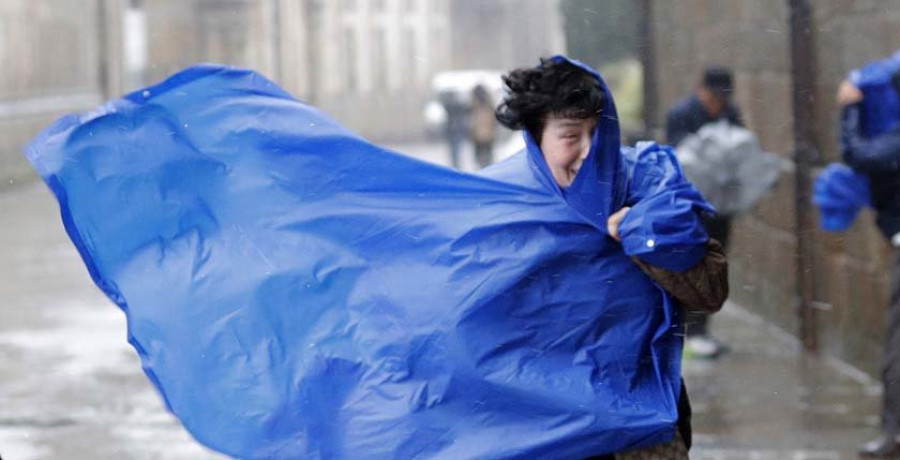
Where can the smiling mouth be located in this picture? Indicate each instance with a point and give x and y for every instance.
(574, 171)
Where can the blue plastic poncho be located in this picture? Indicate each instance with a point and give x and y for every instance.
(840, 193)
(297, 292)
(881, 103)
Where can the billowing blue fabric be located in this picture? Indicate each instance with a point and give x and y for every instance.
(297, 292)
(662, 227)
(881, 103)
(840, 193)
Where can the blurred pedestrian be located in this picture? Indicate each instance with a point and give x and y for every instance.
(878, 157)
(710, 103)
(456, 129)
(483, 127)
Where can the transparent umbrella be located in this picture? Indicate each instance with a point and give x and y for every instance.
(726, 163)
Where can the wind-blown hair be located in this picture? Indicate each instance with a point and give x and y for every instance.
(552, 88)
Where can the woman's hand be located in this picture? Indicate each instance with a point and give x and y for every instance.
(612, 224)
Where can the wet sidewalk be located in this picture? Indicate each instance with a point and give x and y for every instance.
(72, 387)
(767, 400)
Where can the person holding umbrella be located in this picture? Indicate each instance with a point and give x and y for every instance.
(710, 103)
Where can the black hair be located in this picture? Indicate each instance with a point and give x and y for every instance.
(552, 88)
(719, 81)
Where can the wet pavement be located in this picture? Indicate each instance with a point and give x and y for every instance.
(766, 399)
(72, 387)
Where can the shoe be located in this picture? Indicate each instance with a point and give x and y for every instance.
(703, 347)
(885, 447)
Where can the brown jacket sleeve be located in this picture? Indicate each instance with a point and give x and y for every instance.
(703, 288)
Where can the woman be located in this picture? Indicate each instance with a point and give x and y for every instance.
(559, 104)
(297, 292)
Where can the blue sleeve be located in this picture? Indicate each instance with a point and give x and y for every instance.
(663, 227)
(880, 154)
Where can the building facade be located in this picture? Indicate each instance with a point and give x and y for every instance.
(505, 34)
(43, 75)
(368, 63)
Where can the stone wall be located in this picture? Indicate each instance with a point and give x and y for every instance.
(753, 38)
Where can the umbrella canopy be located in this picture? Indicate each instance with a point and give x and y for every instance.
(725, 162)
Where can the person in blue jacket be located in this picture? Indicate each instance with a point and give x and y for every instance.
(559, 105)
(878, 157)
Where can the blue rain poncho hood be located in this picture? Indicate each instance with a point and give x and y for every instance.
(294, 291)
(646, 178)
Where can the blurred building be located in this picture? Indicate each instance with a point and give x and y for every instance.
(368, 63)
(505, 34)
(371, 61)
(357, 59)
(52, 61)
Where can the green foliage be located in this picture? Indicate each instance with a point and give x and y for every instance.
(626, 81)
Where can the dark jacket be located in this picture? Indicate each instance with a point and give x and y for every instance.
(702, 289)
(457, 125)
(689, 115)
(879, 158)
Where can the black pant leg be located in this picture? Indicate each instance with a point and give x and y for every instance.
(891, 375)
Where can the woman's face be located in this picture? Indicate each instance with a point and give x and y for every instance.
(566, 143)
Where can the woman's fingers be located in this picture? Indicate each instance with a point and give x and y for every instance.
(612, 224)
